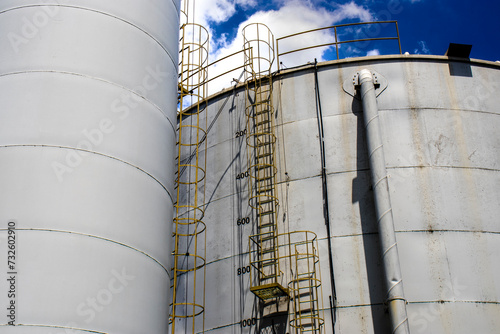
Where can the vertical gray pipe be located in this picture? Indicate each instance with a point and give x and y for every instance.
(395, 295)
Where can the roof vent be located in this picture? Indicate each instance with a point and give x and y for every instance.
(458, 50)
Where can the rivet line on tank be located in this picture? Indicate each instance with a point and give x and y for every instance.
(99, 12)
(96, 237)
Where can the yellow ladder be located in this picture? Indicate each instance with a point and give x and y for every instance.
(261, 141)
(304, 289)
(189, 270)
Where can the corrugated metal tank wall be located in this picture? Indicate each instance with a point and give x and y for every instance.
(87, 135)
(440, 122)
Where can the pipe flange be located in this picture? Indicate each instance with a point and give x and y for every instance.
(350, 86)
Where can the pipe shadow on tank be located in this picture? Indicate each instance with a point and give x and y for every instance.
(362, 193)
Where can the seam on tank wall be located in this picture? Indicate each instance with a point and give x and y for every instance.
(357, 235)
(444, 167)
(358, 305)
(246, 253)
(385, 59)
(350, 171)
(176, 7)
(228, 195)
(174, 127)
(448, 231)
(56, 327)
(222, 326)
(284, 182)
(353, 235)
(232, 139)
(225, 258)
(96, 153)
(102, 13)
(94, 237)
(441, 109)
(358, 113)
(211, 147)
(409, 231)
(320, 309)
(222, 142)
(312, 119)
(455, 301)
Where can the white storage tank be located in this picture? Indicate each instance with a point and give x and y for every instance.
(439, 121)
(88, 94)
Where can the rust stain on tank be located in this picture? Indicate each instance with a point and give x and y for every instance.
(343, 101)
(464, 151)
(419, 134)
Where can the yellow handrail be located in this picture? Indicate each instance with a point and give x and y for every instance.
(337, 42)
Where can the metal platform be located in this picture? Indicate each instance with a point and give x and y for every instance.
(268, 291)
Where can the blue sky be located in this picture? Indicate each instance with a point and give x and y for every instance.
(426, 26)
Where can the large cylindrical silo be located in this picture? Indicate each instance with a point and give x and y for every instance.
(87, 135)
(439, 125)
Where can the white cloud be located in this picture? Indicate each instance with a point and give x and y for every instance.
(206, 12)
(422, 48)
(374, 52)
(293, 16)
(247, 3)
(353, 11)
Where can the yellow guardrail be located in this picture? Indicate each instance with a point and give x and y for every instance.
(337, 42)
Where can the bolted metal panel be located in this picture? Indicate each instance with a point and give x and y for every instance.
(87, 139)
